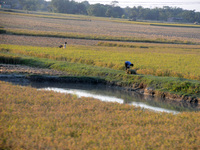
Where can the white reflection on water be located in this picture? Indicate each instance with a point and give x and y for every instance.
(84, 93)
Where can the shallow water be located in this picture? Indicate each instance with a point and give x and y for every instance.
(108, 94)
(105, 98)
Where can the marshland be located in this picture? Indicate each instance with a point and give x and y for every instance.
(165, 57)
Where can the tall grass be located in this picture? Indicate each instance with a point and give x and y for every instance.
(159, 61)
(32, 119)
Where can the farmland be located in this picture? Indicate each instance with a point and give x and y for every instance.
(32, 119)
(106, 44)
(147, 59)
(97, 47)
(76, 26)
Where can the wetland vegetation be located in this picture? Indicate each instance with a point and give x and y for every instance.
(32, 119)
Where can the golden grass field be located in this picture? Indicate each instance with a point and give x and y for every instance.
(33, 119)
(154, 59)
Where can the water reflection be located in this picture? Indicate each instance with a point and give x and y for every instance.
(109, 94)
(84, 93)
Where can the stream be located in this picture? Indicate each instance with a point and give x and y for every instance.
(106, 94)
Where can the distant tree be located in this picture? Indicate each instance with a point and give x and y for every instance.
(30, 5)
(66, 6)
(161, 14)
(81, 9)
(189, 16)
(117, 12)
(197, 17)
(133, 14)
(109, 12)
(97, 10)
(58, 6)
(86, 3)
(114, 3)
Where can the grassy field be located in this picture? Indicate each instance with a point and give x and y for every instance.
(171, 60)
(89, 18)
(32, 119)
(48, 120)
(152, 59)
(93, 28)
(101, 58)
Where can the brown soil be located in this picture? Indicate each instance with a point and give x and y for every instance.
(20, 69)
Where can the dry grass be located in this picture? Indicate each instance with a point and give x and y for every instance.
(32, 119)
(100, 28)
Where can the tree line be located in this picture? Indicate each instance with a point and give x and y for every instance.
(165, 13)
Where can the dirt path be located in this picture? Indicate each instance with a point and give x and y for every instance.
(21, 69)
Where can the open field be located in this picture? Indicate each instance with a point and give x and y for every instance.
(89, 18)
(97, 28)
(32, 119)
(155, 60)
(169, 60)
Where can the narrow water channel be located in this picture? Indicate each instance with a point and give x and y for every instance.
(108, 94)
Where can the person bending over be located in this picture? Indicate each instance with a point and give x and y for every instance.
(128, 64)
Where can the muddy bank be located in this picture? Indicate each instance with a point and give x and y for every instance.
(17, 72)
(21, 69)
(149, 91)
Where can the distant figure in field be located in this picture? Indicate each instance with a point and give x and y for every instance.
(128, 64)
(63, 46)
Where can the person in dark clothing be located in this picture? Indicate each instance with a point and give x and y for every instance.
(128, 64)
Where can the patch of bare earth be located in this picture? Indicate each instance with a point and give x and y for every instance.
(21, 69)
